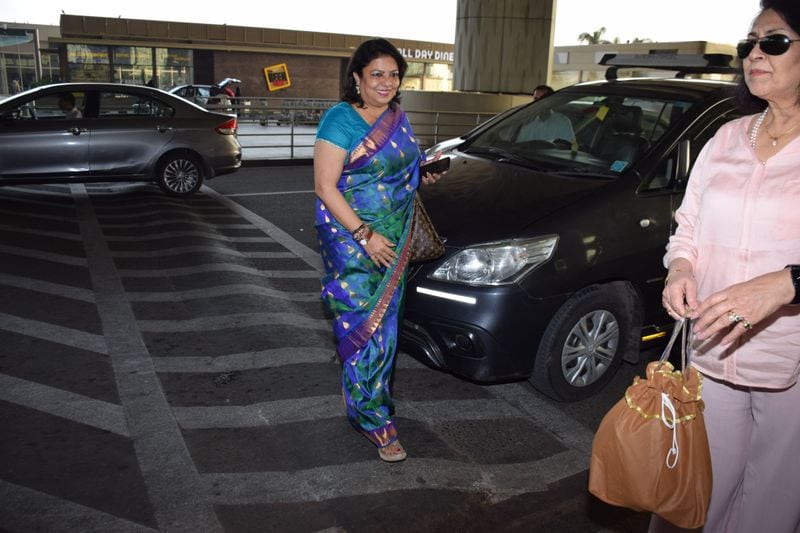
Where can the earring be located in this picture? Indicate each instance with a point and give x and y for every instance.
(358, 89)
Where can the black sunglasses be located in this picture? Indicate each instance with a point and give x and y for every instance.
(773, 45)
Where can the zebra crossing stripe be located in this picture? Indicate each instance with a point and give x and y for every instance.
(81, 409)
(37, 511)
(53, 333)
(239, 320)
(217, 267)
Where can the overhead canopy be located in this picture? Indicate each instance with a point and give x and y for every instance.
(10, 37)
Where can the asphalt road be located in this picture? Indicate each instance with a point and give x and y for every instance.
(166, 365)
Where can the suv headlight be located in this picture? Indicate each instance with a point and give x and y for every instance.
(497, 263)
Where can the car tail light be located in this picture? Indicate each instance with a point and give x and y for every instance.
(227, 128)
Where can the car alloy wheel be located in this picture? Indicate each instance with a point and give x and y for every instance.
(590, 348)
(180, 175)
(586, 340)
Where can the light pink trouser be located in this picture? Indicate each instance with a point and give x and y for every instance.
(754, 436)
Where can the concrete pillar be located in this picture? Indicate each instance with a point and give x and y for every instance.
(503, 46)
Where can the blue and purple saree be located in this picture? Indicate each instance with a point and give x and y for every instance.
(379, 180)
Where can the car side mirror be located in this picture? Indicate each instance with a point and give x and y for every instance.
(11, 115)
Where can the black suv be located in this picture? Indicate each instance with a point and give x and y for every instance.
(553, 267)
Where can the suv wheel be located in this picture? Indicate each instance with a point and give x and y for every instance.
(585, 342)
(180, 174)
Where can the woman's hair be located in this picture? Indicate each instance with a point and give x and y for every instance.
(789, 11)
(364, 54)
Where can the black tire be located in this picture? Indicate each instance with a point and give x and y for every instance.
(585, 342)
(180, 174)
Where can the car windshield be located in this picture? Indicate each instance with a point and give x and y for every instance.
(571, 132)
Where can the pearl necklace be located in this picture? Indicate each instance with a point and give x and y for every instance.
(756, 126)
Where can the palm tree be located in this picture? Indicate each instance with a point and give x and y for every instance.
(595, 37)
(641, 40)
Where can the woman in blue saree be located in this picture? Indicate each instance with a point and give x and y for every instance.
(366, 172)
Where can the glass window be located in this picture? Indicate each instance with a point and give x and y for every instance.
(664, 175)
(132, 55)
(132, 65)
(414, 75)
(51, 67)
(601, 133)
(17, 65)
(67, 105)
(438, 77)
(657, 115)
(20, 73)
(174, 66)
(428, 76)
(117, 104)
(86, 62)
(415, 69)
(87, 54)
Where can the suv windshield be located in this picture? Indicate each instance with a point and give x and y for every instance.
(600, 133)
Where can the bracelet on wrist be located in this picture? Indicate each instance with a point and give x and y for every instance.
(670, 274)
(794, 270)
(358, 230)
(362, 234)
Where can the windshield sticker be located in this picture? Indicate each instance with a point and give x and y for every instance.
(619, 166)
(601, 113)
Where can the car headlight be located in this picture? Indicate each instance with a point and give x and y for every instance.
(496, 263)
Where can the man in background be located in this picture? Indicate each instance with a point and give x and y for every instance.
(66, 102)
(548, 125)
(541, 91)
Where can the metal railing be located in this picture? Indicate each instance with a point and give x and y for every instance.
(283, 128)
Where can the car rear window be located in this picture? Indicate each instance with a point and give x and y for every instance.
(121, 104)
(52, 107)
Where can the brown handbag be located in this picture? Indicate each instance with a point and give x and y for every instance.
(426, 244)
(650, 452)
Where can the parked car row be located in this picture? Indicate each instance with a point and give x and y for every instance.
(80, 132)
(556, 216)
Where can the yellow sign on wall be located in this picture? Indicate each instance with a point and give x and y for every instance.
(277, 77)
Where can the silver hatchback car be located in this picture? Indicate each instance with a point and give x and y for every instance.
(82, 132)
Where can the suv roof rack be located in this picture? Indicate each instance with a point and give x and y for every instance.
(683, 63)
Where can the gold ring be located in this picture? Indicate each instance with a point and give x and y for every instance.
(746, 325)
(733, 317)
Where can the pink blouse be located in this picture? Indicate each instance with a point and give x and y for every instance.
(740, 218)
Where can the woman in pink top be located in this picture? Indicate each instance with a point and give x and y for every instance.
(733, 268)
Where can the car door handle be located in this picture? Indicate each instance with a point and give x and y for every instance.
(162, 129)
(75, 130)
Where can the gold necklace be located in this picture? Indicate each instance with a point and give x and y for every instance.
(774, 138)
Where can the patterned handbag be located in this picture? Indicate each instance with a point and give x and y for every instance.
(426, 244)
